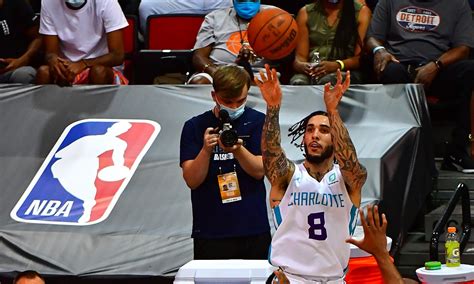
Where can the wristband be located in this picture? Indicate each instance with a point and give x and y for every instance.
(438, 64)
(341, 63)
(377, 48)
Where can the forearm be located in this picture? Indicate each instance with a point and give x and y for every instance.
(195, 171)
(33, 48)
(202, 62)
(372, 43)
(250, 163)
(354, 173)
(389, 272)
(110, 59)
(454, 54)
(275, 163)
(351, 63)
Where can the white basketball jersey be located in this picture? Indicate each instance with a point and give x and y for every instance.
(314, 220)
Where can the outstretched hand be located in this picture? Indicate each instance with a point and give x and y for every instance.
(375, 239)
(333, 96)
(269, 86)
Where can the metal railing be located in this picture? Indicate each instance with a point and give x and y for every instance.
(462, 191)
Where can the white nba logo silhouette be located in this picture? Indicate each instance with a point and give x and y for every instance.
(76, 169)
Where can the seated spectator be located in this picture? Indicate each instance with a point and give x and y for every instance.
(332, 30)
(222, 40)
(428, 42)
(163, 7)
(28, 277)
(83, 42)
(20, 41)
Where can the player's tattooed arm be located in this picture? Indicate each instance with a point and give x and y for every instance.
(354, 173)
(278, 168)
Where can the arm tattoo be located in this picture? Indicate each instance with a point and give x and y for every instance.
(277, 166)
(353, 172)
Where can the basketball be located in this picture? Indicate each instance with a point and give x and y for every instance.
(272, 33)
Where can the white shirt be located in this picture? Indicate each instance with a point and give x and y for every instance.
(82, 33)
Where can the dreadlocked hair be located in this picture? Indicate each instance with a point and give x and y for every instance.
(298, 129)
(346, 33)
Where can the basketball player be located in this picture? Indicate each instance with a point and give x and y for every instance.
(375, 243)
(315, 202)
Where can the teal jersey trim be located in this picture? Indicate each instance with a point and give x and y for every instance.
(353, 220)
(277, 215)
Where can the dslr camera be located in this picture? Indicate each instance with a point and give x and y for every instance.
(228, 136)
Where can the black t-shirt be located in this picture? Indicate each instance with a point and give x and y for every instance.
(420, 31)
(16, 16)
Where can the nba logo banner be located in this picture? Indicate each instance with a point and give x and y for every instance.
(86, 172)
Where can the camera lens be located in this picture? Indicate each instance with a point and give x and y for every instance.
(228, 137)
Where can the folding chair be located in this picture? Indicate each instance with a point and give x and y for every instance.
(130, 44)
(173, 32)
(169, 40)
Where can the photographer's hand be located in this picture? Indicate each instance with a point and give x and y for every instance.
(211, 138)
(233, 148)
(195, 171)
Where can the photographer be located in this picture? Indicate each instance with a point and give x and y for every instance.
(226, 182)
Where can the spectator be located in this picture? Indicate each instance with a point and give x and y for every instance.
(20, 41)
(163, 7)
(83, 42)
(227, 189)
(28, 277)
(222, 40)
(428, 42)
(311, 225)
(335, 29)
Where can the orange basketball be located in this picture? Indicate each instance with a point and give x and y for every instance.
(272, 33)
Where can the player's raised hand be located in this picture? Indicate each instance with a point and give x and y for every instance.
(332, 96)
(269, 86)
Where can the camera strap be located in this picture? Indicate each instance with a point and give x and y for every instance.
(229, 186)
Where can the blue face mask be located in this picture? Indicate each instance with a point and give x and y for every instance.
(75, 4)
(247, 10)
(234, 113)
(333, 1)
